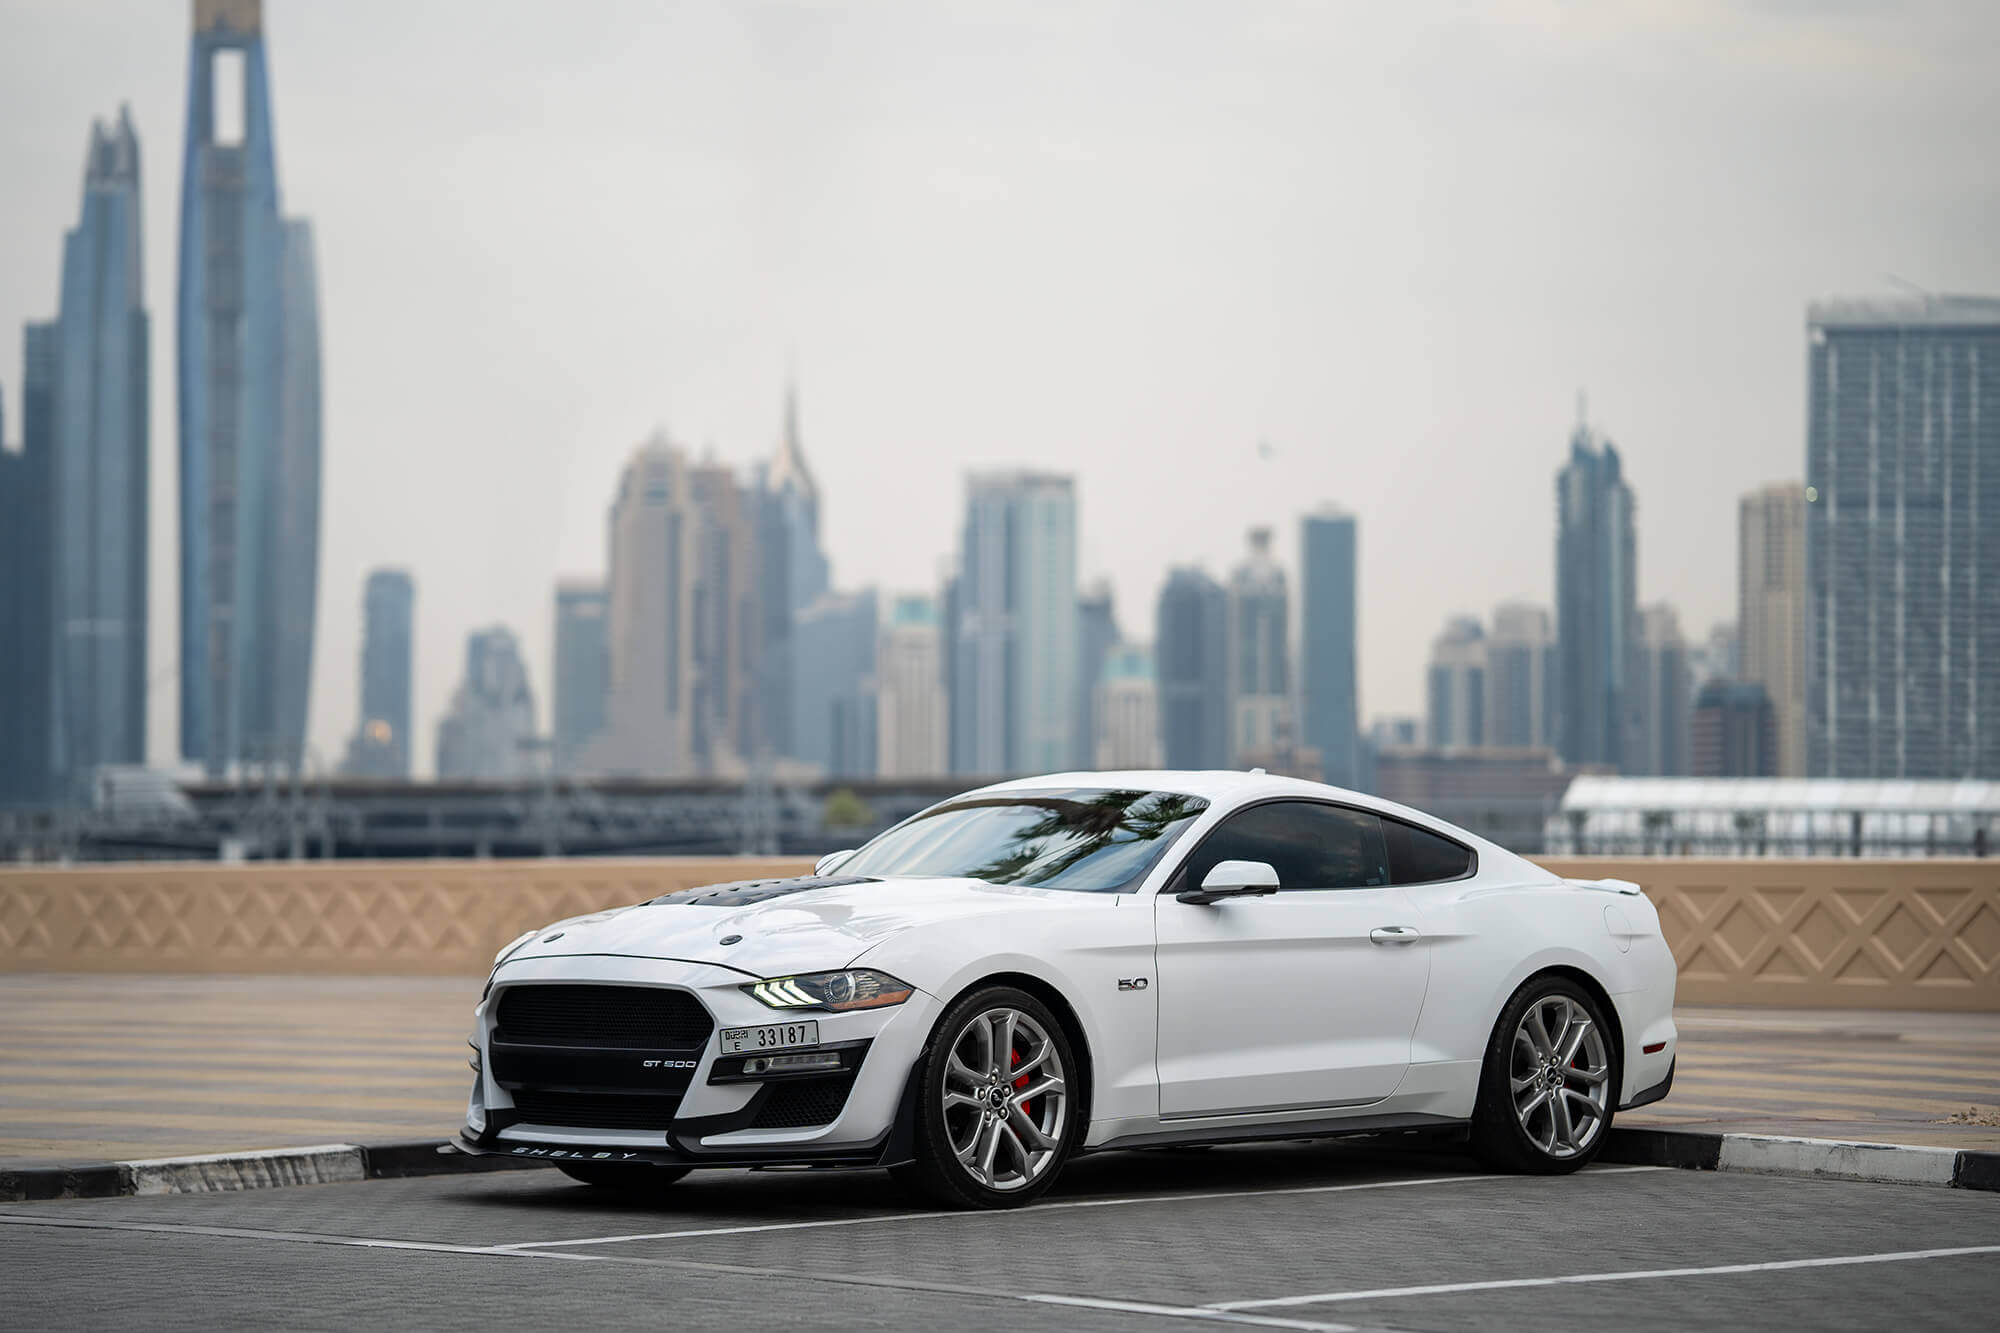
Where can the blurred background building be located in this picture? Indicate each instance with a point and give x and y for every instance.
(582, 669)
(1596, 600)
(1014, 649)
(1127, 710)
(910, 713)
(489, 733)
(1455, 686)
(1902, 434)
(1192, 672)
(380, 747)
(1261, 720)
(1329, 579)
(248, 345)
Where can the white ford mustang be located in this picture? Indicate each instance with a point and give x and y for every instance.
(1078, 962)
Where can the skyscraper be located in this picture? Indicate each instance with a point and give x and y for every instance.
(1191, 667)
(1127, 711)
(791, 575)
(27, 585)
(833, 713)
(249, 417)
(1734, 732)
(1455, 686)
(1902, 559)
(491, 726)
(1658, 697)
(583, 668)
(1521, 677)
(724, 602)
(1260, 686)
(909, 692)
(1096, 636)
(1596, 599)
(649, 728)
(1014, 659)
(1327, 639)
(99, 472)
(1771, 609)
(380, 747)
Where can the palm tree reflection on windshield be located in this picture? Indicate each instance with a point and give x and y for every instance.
(1070, 832)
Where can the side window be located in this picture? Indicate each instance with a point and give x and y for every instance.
(1418, 857)
(1311, 846)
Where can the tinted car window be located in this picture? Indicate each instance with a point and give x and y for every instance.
(1089, 841)
(1311, 846)
(1418, 857)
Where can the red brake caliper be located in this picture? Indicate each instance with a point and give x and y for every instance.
(1014, 1058)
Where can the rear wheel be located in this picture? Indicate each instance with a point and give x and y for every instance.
(631, 1177)
(995, 1119)
(1548, 1087)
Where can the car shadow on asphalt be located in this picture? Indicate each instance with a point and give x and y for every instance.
(771, 1194)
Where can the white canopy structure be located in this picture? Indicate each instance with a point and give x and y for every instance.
(1611, 816)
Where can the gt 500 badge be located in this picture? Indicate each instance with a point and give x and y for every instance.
(667, 1064)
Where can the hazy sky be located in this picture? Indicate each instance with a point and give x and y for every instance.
(1124, 240)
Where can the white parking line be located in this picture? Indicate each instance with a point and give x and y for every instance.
(1194, 1312)
(1578, 1279)
(1122, 1201)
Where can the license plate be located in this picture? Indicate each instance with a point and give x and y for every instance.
(737, 1041)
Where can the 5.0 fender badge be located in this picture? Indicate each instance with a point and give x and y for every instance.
(1132, 983)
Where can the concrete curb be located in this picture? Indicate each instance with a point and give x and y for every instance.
(225, 1172)
(1689, 1150)
(1822, 1159)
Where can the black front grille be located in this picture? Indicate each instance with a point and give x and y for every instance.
(633, 1017)
(805, 1103)
(584, 1110)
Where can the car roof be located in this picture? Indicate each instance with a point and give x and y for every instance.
(1228, 788)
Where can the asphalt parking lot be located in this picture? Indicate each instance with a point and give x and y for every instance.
(1292, 1236)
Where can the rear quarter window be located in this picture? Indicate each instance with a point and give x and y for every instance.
(1417, 856)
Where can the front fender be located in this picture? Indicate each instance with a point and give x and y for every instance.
(1081, 956)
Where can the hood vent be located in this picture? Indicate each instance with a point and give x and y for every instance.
(745, 892)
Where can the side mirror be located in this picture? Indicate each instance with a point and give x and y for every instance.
(1233, 879)
(833, 861)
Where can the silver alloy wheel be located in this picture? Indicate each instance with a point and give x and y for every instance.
(1559, 1076)
(1005, 1102)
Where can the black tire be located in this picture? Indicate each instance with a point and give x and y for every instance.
(626, 1177)
(1500, 1140)
(936, 1173)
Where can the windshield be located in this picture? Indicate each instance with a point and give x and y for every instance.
(1089, 841)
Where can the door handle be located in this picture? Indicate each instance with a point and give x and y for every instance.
(1393, 935)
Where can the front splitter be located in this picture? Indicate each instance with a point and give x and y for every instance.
(866, 1155)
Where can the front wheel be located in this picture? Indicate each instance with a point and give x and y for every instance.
(995, 1116)
(629, 1177)
(1549, 1083)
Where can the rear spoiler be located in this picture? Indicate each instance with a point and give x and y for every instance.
(1624, 886)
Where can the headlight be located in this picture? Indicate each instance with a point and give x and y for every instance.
(857, 988)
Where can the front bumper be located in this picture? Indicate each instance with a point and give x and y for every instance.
(726, 1123)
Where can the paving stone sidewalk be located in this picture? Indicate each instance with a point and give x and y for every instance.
(107, 1067)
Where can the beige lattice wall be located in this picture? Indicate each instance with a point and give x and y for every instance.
(443, 917)
(1871, 934)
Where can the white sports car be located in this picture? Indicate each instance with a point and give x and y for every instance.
(1065, 964)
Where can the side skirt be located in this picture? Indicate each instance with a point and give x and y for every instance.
(1334, 1127)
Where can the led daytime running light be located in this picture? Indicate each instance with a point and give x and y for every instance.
(859, 988)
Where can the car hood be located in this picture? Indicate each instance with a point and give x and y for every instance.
(781, 927)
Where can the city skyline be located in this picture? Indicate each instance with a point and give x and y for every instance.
(1409, 441)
